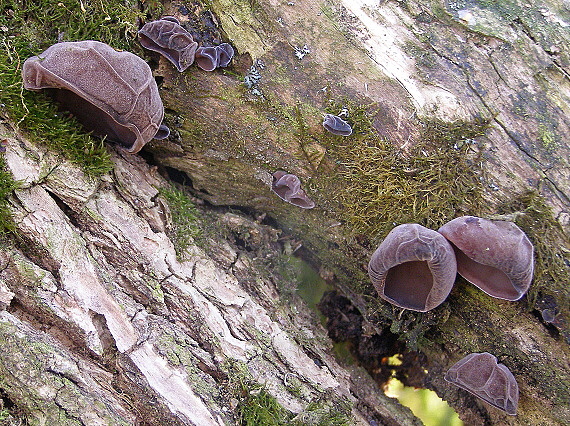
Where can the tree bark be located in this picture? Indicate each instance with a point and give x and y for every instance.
(104, 323)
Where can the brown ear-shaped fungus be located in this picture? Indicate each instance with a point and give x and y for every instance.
(336, 125)
(168, 38)
(413, 268)
(226, 52)
(481, 375)
(208, 58)
(494, 255)
(111, 93)
(288, 187)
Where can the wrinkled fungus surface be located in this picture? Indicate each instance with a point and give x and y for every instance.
(207, 58)
(496, 256)
(226, 54)
(413, 268)
(481, 375)
(113, 94)
(211, 57)
(168, 38)
(288, 187)
(336, 125)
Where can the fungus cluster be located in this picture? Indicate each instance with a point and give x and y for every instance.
(114, 94)
(415, 268)
(167, 37)
(408, 268)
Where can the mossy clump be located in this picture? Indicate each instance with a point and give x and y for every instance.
(258, 407)
(429, 182)
(185, 218)
(7, 185)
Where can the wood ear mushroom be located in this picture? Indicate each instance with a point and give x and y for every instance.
(167, 37)
(112, 93)
(288, 187)
(481, 375)
(413, 268)
(336, 125)
(494, 255)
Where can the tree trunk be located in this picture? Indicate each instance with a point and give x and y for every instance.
(457, 108)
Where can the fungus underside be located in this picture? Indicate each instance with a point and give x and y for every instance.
(551, 272)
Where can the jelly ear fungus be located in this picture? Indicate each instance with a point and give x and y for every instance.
(413, 268)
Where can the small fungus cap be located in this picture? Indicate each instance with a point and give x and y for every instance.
(111, 93)
(481, 375)
(336, 125)
(167, 37)
(413, 268)
(288, 187)
(494, 255)
(226, 54)
(208, 58)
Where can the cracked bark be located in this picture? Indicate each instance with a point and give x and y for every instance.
(105, 325)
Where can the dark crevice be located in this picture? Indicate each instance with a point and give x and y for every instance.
(64, 207)
(345, 325)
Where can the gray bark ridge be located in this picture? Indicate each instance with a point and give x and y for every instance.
(100, 306)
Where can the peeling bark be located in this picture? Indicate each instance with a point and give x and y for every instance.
(118, 330)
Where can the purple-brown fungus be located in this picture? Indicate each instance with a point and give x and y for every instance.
(112, 93)
(413, 268)
(168, 38)
(336, 125)
(207, 58)
(494, 255)
(288, 187)
(481, 375)
(226, 54)
(211, 57)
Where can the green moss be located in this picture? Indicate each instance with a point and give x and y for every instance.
(185, 225)
(258, 407)
(383, 185)
(320, 414)
(7, 185)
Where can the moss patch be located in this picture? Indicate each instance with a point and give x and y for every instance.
(7, 185)
(258, 407)
(184, 213)
(382, 185)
